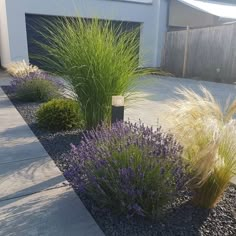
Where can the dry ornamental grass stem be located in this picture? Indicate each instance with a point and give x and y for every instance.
(208, 136)
(21, 69)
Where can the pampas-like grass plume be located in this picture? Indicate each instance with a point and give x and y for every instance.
(208, 135)
(21, 69)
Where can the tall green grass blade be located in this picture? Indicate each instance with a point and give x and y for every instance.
(97, 58)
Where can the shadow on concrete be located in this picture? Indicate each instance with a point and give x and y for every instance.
(54, 212)
(46, 185)
(13, 152)
(5, 103)
(16, 168)
(21, 131)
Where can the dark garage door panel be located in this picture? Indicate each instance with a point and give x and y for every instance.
(37, 23)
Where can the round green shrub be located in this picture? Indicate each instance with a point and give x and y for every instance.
(37, 90)
(60, 115)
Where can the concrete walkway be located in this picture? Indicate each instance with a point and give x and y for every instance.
(35, 199)
(4, 78)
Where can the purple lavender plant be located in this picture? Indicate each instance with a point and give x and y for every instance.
(130, 168)
(39, 75)
(35, 87)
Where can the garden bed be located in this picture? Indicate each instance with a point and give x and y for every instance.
(182, 219)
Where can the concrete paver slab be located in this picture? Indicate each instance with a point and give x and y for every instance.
(17, 141)
(20, 149)
(29, 176)
(56, 212)
(5, 78)
(153, 92)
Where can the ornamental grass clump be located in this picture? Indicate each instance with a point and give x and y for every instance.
(129, 168)
(36, 87)
(96, 57)
(208, 136)
(21, 69)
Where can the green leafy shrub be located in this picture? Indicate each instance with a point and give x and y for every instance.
(98, 59)
(35, 87)
(60, 114)
(208, 136)
(129, 168)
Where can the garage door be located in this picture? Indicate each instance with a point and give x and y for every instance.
(37, 23)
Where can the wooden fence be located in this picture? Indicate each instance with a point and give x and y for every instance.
(206, 53)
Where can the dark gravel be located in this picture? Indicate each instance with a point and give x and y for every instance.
(182, 220)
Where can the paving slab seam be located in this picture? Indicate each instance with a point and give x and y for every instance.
(22, 160)
(63, 185)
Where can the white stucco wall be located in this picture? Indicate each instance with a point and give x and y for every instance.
(181, 15)
(152, 13)
(4, 39)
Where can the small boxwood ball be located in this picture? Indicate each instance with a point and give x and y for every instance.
(60, 115)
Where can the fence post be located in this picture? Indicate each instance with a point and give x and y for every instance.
(186, 52)
(163, 56)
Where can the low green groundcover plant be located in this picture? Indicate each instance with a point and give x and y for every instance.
(97, 58)
(208, 136)
(60, 115)
(35, 87)
(129, 168)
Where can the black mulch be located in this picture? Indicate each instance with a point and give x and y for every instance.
(184, 219)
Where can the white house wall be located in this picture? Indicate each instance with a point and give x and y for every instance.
(4, 39)
(152, 13)
(182, 15)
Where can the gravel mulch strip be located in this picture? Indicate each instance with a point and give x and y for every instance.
(182, 220)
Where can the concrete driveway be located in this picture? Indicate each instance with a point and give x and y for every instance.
(148, 104)
(152, 92)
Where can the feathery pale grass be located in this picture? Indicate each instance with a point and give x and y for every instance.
(21, 69)
(208, 136)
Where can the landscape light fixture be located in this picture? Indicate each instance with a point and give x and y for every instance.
(118, 105)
